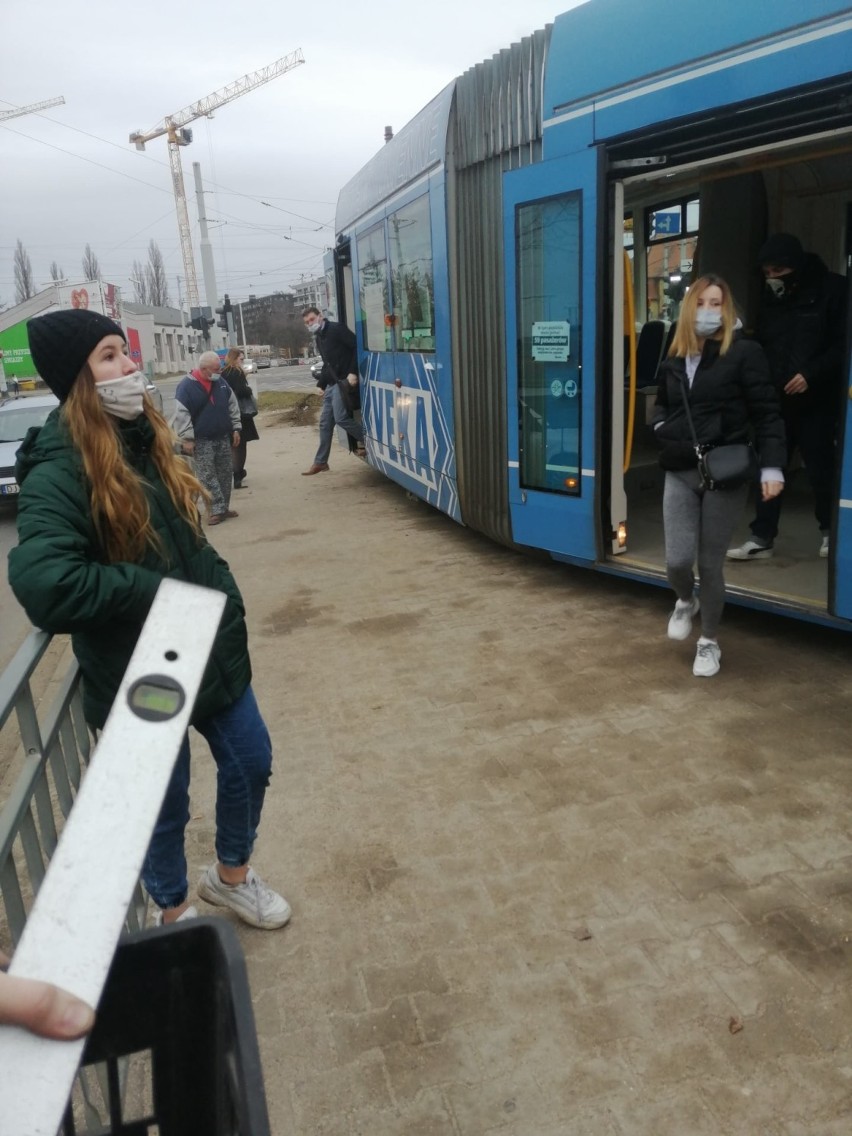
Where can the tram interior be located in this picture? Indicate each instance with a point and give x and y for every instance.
(715, 218)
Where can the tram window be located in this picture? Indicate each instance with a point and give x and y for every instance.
(671, 235)
(373, 297)
(410, 237)
(549, 343)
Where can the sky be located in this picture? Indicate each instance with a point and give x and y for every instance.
(273, 160)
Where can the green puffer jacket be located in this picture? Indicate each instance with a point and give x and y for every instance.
(61, 577)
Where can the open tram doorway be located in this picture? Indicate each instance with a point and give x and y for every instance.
(668, 227)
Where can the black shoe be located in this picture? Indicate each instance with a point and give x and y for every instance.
(238, 483)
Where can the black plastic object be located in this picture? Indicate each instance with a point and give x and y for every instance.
(181, 992)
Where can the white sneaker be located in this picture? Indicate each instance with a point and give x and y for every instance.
(680, 621)
(751, 550)
(190, 913)
(254, 901)
(825, 547)
(707, 658)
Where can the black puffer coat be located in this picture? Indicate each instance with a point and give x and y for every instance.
(236, 379)
(804, 333)
(732, 399)
(61, 576)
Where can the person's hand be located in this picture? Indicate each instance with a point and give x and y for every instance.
(42, 1009)
(187, 447)
(352, 380)
(235, 439)
(770, 489)
(797, 385)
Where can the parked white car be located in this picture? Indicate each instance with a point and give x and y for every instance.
(17, 415)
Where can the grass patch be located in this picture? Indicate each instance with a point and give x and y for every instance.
(295, 408)
(287, 400)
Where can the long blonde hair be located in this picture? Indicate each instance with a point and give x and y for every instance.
(685, 341)
(232, 359)
(120, 508)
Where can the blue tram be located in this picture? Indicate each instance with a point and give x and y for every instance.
(513, 260)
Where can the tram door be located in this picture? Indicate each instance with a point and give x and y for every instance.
(549, 225)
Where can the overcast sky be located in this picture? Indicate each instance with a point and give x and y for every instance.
(69, 175)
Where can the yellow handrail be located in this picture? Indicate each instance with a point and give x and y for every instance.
(630, 325)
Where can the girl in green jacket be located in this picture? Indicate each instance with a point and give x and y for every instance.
(106, 510)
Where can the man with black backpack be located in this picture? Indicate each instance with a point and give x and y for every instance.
(338, 381)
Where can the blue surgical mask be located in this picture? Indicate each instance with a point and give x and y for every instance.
(707, 322)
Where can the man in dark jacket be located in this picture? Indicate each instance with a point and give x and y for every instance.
(207, 421)
(338, 382)
(802, 328)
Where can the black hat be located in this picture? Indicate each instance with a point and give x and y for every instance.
(61, 342)
(782, 250)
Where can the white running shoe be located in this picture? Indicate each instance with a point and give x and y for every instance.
(707, 658)
(751, 550)
(680, 621)
(825, 547)
(190, 913)
(254, 901)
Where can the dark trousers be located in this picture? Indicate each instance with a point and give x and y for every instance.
(239, 459)
(813, 433)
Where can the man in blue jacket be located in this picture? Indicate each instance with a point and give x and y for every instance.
(207, 421)
(339, 383)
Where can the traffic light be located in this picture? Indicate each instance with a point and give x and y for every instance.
(226, 320)
(200, 320)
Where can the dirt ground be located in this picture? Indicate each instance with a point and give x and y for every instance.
(543, 880)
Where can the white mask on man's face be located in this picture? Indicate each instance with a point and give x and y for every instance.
(314, 326)
(124, 397)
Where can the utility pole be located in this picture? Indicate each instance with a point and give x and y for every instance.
(207, 267)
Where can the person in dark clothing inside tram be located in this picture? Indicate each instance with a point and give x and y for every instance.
(802, 328)
(338, 381)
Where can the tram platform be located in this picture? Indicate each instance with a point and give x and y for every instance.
(544, 881)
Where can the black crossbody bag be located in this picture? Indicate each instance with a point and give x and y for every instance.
(721, 467)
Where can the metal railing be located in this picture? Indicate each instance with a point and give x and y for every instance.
(64, 904)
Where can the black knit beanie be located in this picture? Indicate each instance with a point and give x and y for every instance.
(782, 250)
(61, 342)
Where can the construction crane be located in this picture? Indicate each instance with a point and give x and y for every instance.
(5, 115)
(173, 126)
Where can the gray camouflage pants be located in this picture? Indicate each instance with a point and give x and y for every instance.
(214, 469)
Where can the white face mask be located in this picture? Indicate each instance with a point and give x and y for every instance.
(707, 322)
(123, 397)
(314, 326)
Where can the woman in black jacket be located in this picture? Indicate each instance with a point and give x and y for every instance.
(731, 398)
(235, 377)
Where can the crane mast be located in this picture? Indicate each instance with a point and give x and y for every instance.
(173, 126)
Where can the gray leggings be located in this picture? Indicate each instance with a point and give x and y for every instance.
(702, 522)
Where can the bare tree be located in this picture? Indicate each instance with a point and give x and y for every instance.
(139, 282)
(91, 268)
(155, 275)
(24, 286)
(56, 273)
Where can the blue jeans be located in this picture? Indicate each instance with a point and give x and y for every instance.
(334, 412)
(239, 741)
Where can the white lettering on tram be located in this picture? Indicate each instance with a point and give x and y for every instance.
(402, 425)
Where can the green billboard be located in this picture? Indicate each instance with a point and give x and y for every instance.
(17, 362)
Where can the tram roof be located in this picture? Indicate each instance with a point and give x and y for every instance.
(605, 45)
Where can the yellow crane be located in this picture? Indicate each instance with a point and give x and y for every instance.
(174, 127)
(5, 115)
